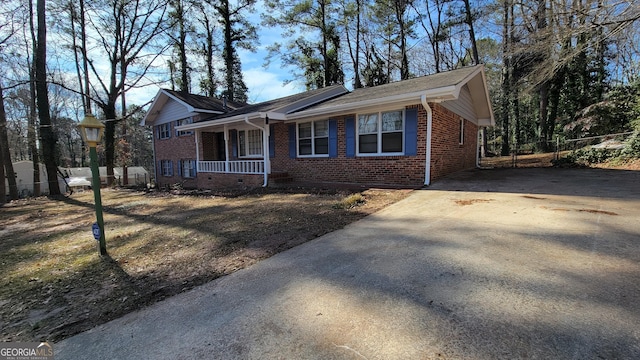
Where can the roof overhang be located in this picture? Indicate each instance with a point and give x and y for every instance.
(475, 80)
(161, 99)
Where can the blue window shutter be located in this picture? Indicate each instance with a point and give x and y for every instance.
(233, 134)
(179, 167)
(194, 168)
(350, 127)
(292, 141)
(272, 141)
(411, 132)
(333, 138)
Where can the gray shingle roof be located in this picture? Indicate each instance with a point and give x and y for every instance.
(203, 102)
(423, 83)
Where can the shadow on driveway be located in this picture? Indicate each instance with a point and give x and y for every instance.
(486, 265)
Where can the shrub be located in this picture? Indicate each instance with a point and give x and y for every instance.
(350, 201)
(632, 146)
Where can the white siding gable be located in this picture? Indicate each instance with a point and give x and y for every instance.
(172, 111)
(463, 106)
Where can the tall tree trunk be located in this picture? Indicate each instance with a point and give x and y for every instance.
(472, 34)
(46, 131)
(506, 69)
(325, 57)
(228, 49)
(182, 47)
(124, 159)
(32, 129)
(543, 89)
(356, 67)
(6, 155)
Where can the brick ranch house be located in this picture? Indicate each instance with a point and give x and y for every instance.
(403, 134)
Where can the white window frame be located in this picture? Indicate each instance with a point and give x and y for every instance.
(164, 131)
(379, 133)
(190, 166)
(247, 148)
(184, 121)
(312, 138)
(461, 131)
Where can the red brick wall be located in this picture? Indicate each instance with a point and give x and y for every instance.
(174, 148)
(447, 155)
(372, 170)
(222, 181)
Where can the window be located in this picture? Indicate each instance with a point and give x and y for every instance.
(381, 133)
(184, 122)
(188, 168)
(166, 167)
(164, 131)
(313, 138)
(461, 131)
(250, 143)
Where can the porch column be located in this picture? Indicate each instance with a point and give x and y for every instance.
(197, 134)
(226, 149)
(265, 145)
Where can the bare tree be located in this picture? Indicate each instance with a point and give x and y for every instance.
(42, 94)
(126, 32)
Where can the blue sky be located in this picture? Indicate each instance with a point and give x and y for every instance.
(263, 83)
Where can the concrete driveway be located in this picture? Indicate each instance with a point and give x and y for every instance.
(489, 264)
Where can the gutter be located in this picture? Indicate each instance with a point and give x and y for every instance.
(265, 147)
(427, 170)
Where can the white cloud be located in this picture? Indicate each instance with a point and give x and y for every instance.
(267, 85)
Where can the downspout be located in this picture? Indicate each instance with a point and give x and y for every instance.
(265, 148)
(155, 161)
(427, 170)
(197, 135)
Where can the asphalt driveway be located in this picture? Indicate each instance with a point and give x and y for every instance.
(489, 264)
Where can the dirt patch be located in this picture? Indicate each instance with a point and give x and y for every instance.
(55, 285)
(591, 211)
(466, 202)
(528, 160)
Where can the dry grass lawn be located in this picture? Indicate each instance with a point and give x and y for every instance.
(55, 285)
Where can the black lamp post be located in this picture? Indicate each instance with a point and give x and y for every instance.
(91, 130)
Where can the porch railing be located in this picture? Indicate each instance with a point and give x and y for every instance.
(235, 167)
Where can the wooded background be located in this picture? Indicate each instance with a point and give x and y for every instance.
(556, 69)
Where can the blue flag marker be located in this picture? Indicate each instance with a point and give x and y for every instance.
(96, 231)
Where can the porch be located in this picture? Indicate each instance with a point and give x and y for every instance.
(232, 167)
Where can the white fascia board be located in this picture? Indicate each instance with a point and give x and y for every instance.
(216, 122)
(272, 115)
(440, 94)
(150, 116)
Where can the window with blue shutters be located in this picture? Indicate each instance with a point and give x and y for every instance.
(187, 168)
(380, 133)
(166, 167)
(164, 131)
(313, 138)
(184, 121)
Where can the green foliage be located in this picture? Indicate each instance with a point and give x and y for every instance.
(632, 146)
(591, 155)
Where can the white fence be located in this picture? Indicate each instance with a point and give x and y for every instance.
(232, 167)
